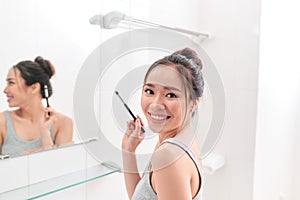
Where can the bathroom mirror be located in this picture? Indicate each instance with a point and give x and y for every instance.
(42, 28)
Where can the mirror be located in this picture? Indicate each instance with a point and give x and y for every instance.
(42, 28)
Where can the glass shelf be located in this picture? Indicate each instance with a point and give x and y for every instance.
(49, 186)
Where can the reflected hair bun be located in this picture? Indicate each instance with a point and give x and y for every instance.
(46, 65)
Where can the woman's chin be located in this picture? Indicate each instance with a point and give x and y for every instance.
(156, 128)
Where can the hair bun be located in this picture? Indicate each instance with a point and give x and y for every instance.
(46, 65)
(190, 54)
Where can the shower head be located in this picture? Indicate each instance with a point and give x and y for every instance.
(108, 21)
(112, 19)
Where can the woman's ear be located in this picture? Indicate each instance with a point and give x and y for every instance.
(195, 104)
(35, 88)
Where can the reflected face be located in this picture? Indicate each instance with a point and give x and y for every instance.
(16, 91)
(164, 100)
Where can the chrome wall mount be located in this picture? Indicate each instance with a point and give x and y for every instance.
(112, 19)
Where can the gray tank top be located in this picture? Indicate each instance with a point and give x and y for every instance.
(14, 145)
(144, 190)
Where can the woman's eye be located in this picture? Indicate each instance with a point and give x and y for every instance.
(148, 91)
(171, 95)
(10, 83)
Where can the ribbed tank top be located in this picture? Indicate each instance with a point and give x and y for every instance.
(144, 190)
(13, 145)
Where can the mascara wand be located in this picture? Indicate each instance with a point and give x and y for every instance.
(128, 109)
(47, 96)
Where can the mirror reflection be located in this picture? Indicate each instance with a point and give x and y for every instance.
(64, 40)
(30, 126)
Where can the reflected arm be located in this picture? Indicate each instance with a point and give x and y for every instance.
(64, 133)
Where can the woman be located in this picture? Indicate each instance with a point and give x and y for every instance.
(172, 89)
(31, 127)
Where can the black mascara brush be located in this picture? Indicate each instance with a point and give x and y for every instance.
(47, 96)
(128, 109)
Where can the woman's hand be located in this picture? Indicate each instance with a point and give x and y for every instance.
(47, 120)
(46, 123)
(133, 136)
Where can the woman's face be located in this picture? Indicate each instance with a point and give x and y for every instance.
(164, 100)
(16, 91)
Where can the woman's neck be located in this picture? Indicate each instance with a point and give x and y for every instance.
(184, 134)
(31, 112)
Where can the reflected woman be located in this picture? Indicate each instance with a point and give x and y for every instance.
(172, 89)
(31, 127)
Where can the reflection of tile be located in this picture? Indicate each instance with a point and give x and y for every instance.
(53, 163)
(13, 173)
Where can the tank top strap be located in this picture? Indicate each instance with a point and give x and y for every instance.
(187, 149)
(10, 132)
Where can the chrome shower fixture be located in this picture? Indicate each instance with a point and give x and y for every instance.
(112, 19)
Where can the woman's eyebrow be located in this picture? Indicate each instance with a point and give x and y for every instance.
(172, 88)
(149, 85)
(164, 87)
(9, 79)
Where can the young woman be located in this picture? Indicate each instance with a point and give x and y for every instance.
(172, 89)
(31, 127)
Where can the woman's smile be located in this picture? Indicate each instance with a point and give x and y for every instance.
(158, 118)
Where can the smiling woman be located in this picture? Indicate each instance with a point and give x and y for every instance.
(31, 127)
(172, 90)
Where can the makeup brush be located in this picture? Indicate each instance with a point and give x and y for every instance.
(47, 96)
(128, 109)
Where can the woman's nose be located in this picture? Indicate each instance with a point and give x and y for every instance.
(5, 90)
(158, 103)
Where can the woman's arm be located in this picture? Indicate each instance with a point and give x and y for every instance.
(131, 175)
(171, 178)
(132, 138)
(63, 129)
(64, 126)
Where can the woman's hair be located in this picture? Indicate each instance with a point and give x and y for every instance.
(40, 71)
(189, 65)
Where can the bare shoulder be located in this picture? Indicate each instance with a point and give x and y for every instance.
(2, 127)
(167, 154)
(63, 129)
(62, 119)
(172, 173)
(2, 117)
(2, 121)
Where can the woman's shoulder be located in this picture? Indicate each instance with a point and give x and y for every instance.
(2, 126)
(62, 120)
(167, 154)
(174, 153)
(62, 117)
(2, 119)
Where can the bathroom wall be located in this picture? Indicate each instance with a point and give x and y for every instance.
(277, 139)
(235, 52)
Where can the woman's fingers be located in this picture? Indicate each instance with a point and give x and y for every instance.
(48, 111)
(134, 128)
(138, 128)
(138, 117)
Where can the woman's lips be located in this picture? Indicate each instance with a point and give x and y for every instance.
(158, 118)
(9, 98)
